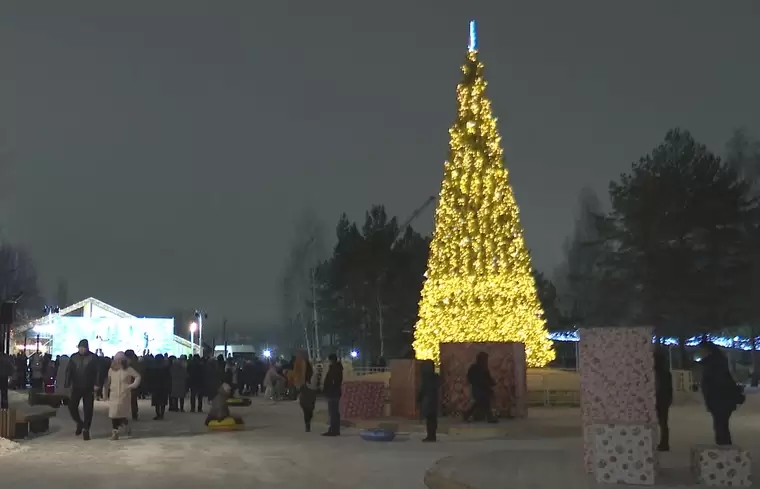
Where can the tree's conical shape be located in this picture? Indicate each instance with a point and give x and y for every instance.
(479, 284)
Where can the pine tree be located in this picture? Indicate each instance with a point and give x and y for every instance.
(479, 284)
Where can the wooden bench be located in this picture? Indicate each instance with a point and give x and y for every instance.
(33, 421)
(45, 399)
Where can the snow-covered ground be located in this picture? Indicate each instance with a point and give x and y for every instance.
(274, 451)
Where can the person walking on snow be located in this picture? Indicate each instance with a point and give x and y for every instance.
(332, 391)
(303, 373)
(83, 380)
(121, 383)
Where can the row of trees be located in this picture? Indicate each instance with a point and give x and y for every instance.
(679, 249)
(18, 275)
(364, 296)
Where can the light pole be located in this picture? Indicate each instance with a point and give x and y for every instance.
(193, 328)
(200, 316)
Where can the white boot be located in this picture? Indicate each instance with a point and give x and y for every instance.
(114, 435)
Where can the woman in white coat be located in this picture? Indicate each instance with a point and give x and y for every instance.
(122, 380)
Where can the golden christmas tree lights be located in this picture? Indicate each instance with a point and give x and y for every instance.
(479, 283)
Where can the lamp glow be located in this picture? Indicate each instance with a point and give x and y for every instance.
(267, 353)
(354, 353)
(193, 327)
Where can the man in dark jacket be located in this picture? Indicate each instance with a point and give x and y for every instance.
(332, 390)
(83, 380)
(195, 382)
(481, 385)
(663, 381)
(427, 398)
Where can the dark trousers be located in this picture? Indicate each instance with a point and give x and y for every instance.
(308, 414)
(176, 404)
(333, 414)
(3, 392)
(431, 423)
(133, 402)
(662, 419)
(88, 404)
(117, 423)
(160, 410)
(721, 418)
(481, 408)
(196, 395)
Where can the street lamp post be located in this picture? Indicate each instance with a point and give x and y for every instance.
(193, 328)
(199, 316)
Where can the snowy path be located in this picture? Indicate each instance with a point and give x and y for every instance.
(273, 452)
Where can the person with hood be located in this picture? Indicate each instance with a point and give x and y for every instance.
(60, 376)
(722, 394)
(179, 385)
(83, 380)
(427, 398)
(161, 383)
(331, 388)
(134, 394)
(122, 381)
(307, 397)
(663, 385)
(219, 409)
(481, 386)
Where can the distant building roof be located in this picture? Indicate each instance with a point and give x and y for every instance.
(91, 307)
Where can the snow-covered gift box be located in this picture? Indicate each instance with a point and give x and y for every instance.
(624, 453)
(617, 379)
(721, 466)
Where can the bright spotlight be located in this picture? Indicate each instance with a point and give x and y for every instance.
(354, 353)
(267, 353)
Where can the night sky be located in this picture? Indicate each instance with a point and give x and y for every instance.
(157, 154)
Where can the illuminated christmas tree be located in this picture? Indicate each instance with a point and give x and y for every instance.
(479, 284)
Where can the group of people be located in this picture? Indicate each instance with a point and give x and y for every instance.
(167, 380)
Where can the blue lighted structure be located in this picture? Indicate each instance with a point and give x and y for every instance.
(473, 46)
(726, 342)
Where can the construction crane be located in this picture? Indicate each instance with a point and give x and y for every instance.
(378, 295)
(415, 215)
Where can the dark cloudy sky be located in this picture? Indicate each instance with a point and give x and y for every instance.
(157, 153)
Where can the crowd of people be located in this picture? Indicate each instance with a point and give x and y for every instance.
(167, 381)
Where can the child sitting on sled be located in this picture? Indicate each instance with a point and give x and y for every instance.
(219, 410)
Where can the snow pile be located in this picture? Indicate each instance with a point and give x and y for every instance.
(8, 447)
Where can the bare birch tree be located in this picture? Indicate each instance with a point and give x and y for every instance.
(299, 313)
